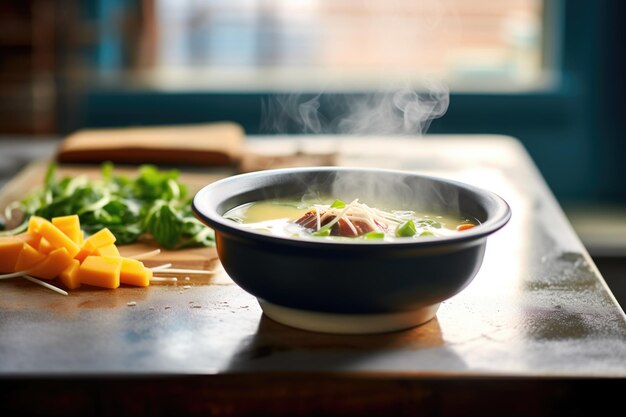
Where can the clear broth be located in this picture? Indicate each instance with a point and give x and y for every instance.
(278, 217)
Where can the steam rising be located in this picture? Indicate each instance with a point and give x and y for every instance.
(399, 112)
(403, 112)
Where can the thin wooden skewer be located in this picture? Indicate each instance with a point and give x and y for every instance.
(13, 274)
(183, 271)
(161, 267)
(163, 279)
(45, 284)
(146, 254)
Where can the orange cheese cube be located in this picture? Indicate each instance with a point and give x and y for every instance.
(108, 250)
(28, 258)
(34, 223)
(70, 225)
(135, 273)
(53, 265)
(45, 247)
(32, 239)
(103, 237)
(69, 276)
(100, 271)
(82, 254)
(58, 239)
(10, 248)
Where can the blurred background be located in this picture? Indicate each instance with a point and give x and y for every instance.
(548, 72)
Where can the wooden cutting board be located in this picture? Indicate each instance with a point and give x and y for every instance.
(32, 178)
(209, 144)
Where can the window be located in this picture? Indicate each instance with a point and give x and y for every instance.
(256, 45)
(539, 70)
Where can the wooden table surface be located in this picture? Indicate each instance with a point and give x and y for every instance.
(536, 332)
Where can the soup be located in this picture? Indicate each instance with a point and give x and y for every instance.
(340, 220)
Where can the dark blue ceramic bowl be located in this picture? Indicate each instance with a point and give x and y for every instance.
(344, 286)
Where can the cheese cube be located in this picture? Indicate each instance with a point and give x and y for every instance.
(57, 238)
(32, 239)
(70, 225)
(100, 243)
(103, 237)
(10, 248)
(108, 250)
(82, 254)
(45, 247)
(53, 265)
(69, 276)
(34, 223)
(100, 271)
(135, 273)
(28, 258)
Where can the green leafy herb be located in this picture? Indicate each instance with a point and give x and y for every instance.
(406, 229)
(429, 223)
(154, 203)
(338, 204)
(324, 231)
(427, 233)
(373, 235)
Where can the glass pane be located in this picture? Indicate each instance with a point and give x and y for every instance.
(252, 44)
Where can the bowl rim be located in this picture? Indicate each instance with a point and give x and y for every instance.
(207, 214)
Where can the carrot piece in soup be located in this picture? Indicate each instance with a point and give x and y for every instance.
(464, 226)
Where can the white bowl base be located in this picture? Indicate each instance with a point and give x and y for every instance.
(348, 323)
